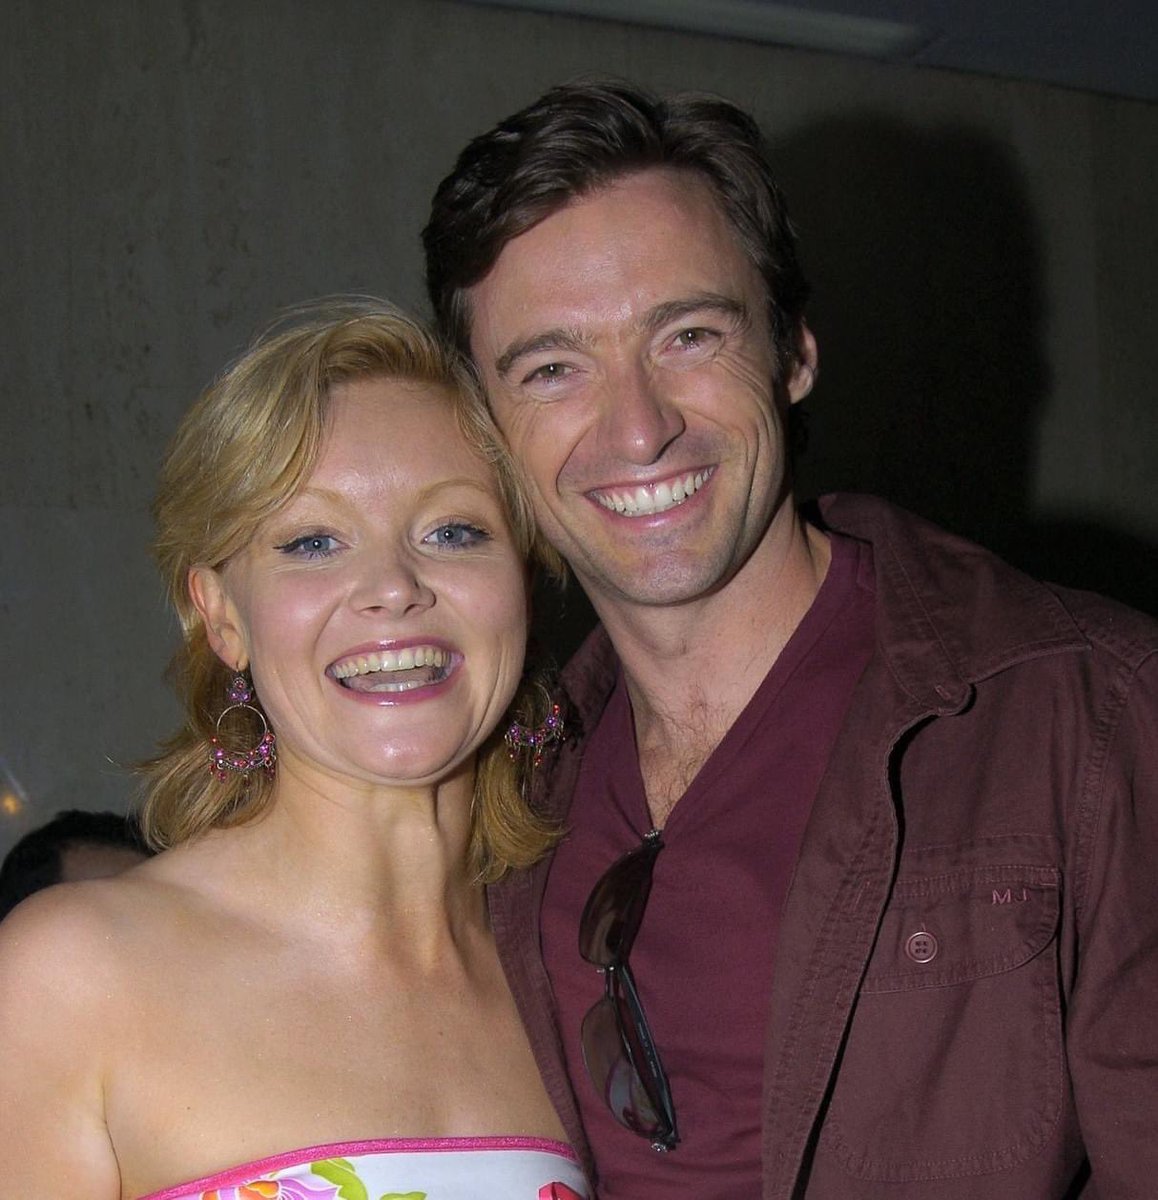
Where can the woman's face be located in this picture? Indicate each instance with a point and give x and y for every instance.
(383, 610)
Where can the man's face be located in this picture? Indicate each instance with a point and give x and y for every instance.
(96, 860)
(625, 348)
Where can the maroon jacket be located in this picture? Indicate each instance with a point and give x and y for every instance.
(965, 1000)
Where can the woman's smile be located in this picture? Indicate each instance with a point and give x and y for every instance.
(391, 672)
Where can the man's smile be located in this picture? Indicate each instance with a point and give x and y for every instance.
(651, 498)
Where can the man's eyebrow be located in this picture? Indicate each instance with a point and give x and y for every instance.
(549, 339)
(702, 302)
(663, 314)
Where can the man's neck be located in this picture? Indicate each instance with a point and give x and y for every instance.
(691, 669)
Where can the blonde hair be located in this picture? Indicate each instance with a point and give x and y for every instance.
(245, 448)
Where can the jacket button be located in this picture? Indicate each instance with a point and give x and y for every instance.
(921, 947)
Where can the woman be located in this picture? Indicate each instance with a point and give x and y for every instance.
(301, 996)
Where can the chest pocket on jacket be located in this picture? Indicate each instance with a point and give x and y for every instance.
(953, 1062)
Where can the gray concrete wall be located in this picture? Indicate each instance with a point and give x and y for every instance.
(984, 256)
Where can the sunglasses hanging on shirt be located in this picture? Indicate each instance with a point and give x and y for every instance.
(618, 1048)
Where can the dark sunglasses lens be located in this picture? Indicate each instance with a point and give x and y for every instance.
(618, 1082)
(614, 910)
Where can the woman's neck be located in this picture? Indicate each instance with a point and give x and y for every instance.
(355, 863)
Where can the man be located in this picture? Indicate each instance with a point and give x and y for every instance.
(895, 935)
(74, 845)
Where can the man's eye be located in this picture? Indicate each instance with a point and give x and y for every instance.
(694, 339)
(549, 372)
(311, 545)
(457, 535)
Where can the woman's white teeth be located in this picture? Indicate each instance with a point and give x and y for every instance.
(655, 498)
(391, 660)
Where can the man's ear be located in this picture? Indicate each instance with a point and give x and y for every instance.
(803, 376)
(223, 626)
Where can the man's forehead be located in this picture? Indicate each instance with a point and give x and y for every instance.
(609, 254)
(622, 193)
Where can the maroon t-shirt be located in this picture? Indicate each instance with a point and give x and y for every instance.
(704, 956)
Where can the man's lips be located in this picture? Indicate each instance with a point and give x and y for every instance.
(647, 499)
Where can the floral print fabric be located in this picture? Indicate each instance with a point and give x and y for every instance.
(426, 1169)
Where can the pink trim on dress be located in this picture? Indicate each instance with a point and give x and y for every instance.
(292, 1158)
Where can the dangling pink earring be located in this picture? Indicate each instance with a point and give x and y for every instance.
(522, 737)
(263, 755)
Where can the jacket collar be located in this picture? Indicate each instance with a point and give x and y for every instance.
(588, 679)
(949, 614)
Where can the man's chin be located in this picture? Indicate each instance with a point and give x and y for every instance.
(662, 583)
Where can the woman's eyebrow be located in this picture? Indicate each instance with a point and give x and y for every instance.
(483, 487)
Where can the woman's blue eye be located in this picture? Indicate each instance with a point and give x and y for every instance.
(457, 535)
(312, 545)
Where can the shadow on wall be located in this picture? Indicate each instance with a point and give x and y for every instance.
(928, 306)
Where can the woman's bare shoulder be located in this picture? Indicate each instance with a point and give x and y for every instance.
(62, 938)
(88, 941)
(61, 975)
(88, 975)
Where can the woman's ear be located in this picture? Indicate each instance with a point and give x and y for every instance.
(223, 627)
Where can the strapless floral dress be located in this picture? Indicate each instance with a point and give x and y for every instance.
(487, 1168)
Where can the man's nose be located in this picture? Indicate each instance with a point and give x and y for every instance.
(640, 421)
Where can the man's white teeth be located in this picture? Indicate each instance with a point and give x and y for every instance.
(655, 498)
(391, 660)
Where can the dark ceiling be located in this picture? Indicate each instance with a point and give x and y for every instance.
(1108, 46)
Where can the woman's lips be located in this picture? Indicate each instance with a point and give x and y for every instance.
(394, 671)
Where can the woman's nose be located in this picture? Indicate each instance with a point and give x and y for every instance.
(394, 585)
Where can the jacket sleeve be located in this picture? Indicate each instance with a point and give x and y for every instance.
(1112, 1020)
